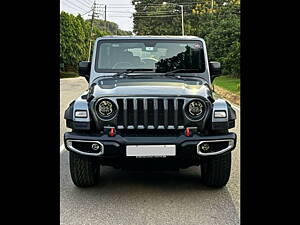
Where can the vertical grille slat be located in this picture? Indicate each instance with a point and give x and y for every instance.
(130, 113)
(135, 113)
(175, 113)
(180, 111)
(125, 112)
(150, 112)
(155, 108)
(166, 111)
(161, 112)
(121, 110)
(140, 112)
(171, 111)
(145, 113)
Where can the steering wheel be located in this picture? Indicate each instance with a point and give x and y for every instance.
(149, 60)
(121, 65)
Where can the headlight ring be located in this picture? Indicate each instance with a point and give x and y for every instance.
(195, 109)
(106, 109)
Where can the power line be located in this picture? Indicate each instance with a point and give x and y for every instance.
(78, 10)
(140, 12)
(75, 5)
(147, 13)
(149, 5)
(147, 16)
(161, 15)
(94, 14)
(121, 16)
(86, 12)
(83, 3)
(123, 5)
(119, 7)
(72, 7)
(88, 2)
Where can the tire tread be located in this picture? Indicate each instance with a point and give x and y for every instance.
(215, 171)
(84, 170)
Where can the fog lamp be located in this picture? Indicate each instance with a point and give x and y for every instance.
(205, 147)
(95, 146)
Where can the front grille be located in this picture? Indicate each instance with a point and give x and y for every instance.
(150, 113)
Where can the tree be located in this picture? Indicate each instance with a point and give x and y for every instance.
(72, 40)
(221, 30)
(148, 20)
(218, 24)
(111, 27)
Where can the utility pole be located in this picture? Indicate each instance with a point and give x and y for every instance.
(182, 25)
(92, 21)
(181, 6)
(105, 17)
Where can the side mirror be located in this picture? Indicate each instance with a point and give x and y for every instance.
(85, 69)
(215, 70)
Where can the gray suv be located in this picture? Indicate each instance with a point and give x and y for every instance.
(149, 105)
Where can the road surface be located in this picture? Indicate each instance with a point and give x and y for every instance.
(145, 197)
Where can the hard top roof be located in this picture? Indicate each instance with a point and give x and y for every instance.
(115, 37)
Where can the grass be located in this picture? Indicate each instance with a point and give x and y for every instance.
(68, 74)
(229, 83)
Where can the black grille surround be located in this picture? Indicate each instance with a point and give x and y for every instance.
(155, 112)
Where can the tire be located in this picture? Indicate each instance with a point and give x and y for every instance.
(215, 171)
(85, 170)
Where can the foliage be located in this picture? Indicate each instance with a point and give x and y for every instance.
(221, 30)
(229, 83)
(68, 74)
(145, 25)
(72, 40)
(110, 27)
(218, 24)
(75, 35)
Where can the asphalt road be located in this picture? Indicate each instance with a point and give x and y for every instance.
(145, 197)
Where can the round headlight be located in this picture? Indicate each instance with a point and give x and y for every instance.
(195, 108)
(106, 108)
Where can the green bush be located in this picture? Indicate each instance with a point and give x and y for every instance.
(68, 74)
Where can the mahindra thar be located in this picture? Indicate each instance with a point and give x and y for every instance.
(150, 105)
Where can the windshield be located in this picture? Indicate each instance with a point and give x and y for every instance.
(160, 55)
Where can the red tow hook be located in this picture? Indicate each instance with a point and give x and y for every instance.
(112, 132)
(187, 132)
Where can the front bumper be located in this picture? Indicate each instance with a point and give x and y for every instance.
(186, 147)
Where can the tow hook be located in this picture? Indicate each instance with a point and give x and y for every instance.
(187, 132)
(112, 132)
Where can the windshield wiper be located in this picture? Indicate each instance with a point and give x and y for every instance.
(127, 71)
(173, 72)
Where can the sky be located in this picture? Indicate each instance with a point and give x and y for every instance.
(118, 11)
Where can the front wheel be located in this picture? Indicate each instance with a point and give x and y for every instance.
(215, 171)
(85, 170)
